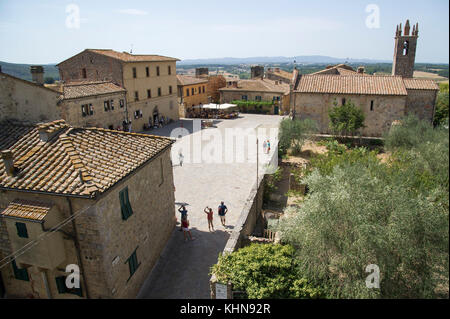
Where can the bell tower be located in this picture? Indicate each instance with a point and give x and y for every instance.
(405, 50)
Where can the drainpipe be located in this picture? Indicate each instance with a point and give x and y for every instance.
(45, 280)
(77, 248)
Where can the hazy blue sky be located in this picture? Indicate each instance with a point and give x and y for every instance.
(36, 31)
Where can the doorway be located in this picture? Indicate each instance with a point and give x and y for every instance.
(2, 287)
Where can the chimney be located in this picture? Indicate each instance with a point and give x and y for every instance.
(37, 74)
(361, 70)
(234, 84)
(8, 161)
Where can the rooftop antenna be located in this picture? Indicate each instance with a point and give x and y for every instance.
(131, 50)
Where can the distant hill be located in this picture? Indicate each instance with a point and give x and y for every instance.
(309, 59)
(23, 70)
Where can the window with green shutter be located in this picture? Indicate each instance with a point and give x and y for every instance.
(125, 205)
(133, 263)
(22, 230)
(20, 274)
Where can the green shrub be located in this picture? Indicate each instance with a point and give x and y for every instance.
(264, 271)
(346, 119)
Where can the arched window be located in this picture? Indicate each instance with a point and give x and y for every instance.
(405, 47)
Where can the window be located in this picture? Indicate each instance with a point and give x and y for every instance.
(244, 97)
(149, 94)
(121, 103)
(170, 89)
(138, 114)
(136, 95)
(187, 92)
(258, 98)
(157, 71)
(133, 263)
(62, 287)
(169, 70)
(111, 104)
(405, 48)
(192, 91)
(371, 105)
(20, 274)
(107, 105)
(87, 109)
(203, 89)
(22, 230)
(147, 71)
(125, 205)
(343, 101)
(159, 91)
(84, 73)
(134, 73)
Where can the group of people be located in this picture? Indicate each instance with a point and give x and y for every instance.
(266, 146)
(222, 211)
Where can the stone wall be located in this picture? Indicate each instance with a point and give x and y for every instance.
(72, 113)
(421, 103)
(20, 99)
(386, 109)
(98, 68)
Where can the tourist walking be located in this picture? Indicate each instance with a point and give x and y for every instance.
(209, 214)
(268, 146)
(222, 212)
(185, 227)
(183, 212)
(180, 158)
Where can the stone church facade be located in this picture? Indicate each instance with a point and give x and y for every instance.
(383, 99)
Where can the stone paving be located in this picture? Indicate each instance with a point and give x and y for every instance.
(182, 271)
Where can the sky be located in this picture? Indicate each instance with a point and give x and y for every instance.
(44, 31)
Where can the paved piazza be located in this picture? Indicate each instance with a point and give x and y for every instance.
(182, 271)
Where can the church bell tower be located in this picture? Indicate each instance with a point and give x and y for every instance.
(405, 50)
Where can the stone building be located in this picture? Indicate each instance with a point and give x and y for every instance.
(258, 90)
(383, 99)
(83, 104)
(277, 74)
(215, 82)
(21, 99)
(150, 81)
(257, 72)
(192, 91)
(99, 199)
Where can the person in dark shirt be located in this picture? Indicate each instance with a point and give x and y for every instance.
(222, 212)
(183, 212)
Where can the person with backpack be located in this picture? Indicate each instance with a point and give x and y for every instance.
(222, 212)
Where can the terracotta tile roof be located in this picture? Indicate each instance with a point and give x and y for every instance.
(127, 57)
(84, 89)
(281, 73)
(420, 84)
(351, 84)
(339, 69)
(27, 209)
(189, 80)
(14, 131)
(75, 161)
(258, 85)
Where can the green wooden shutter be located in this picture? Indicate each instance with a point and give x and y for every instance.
(22, 230)
(123, 205)
(130, 211)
